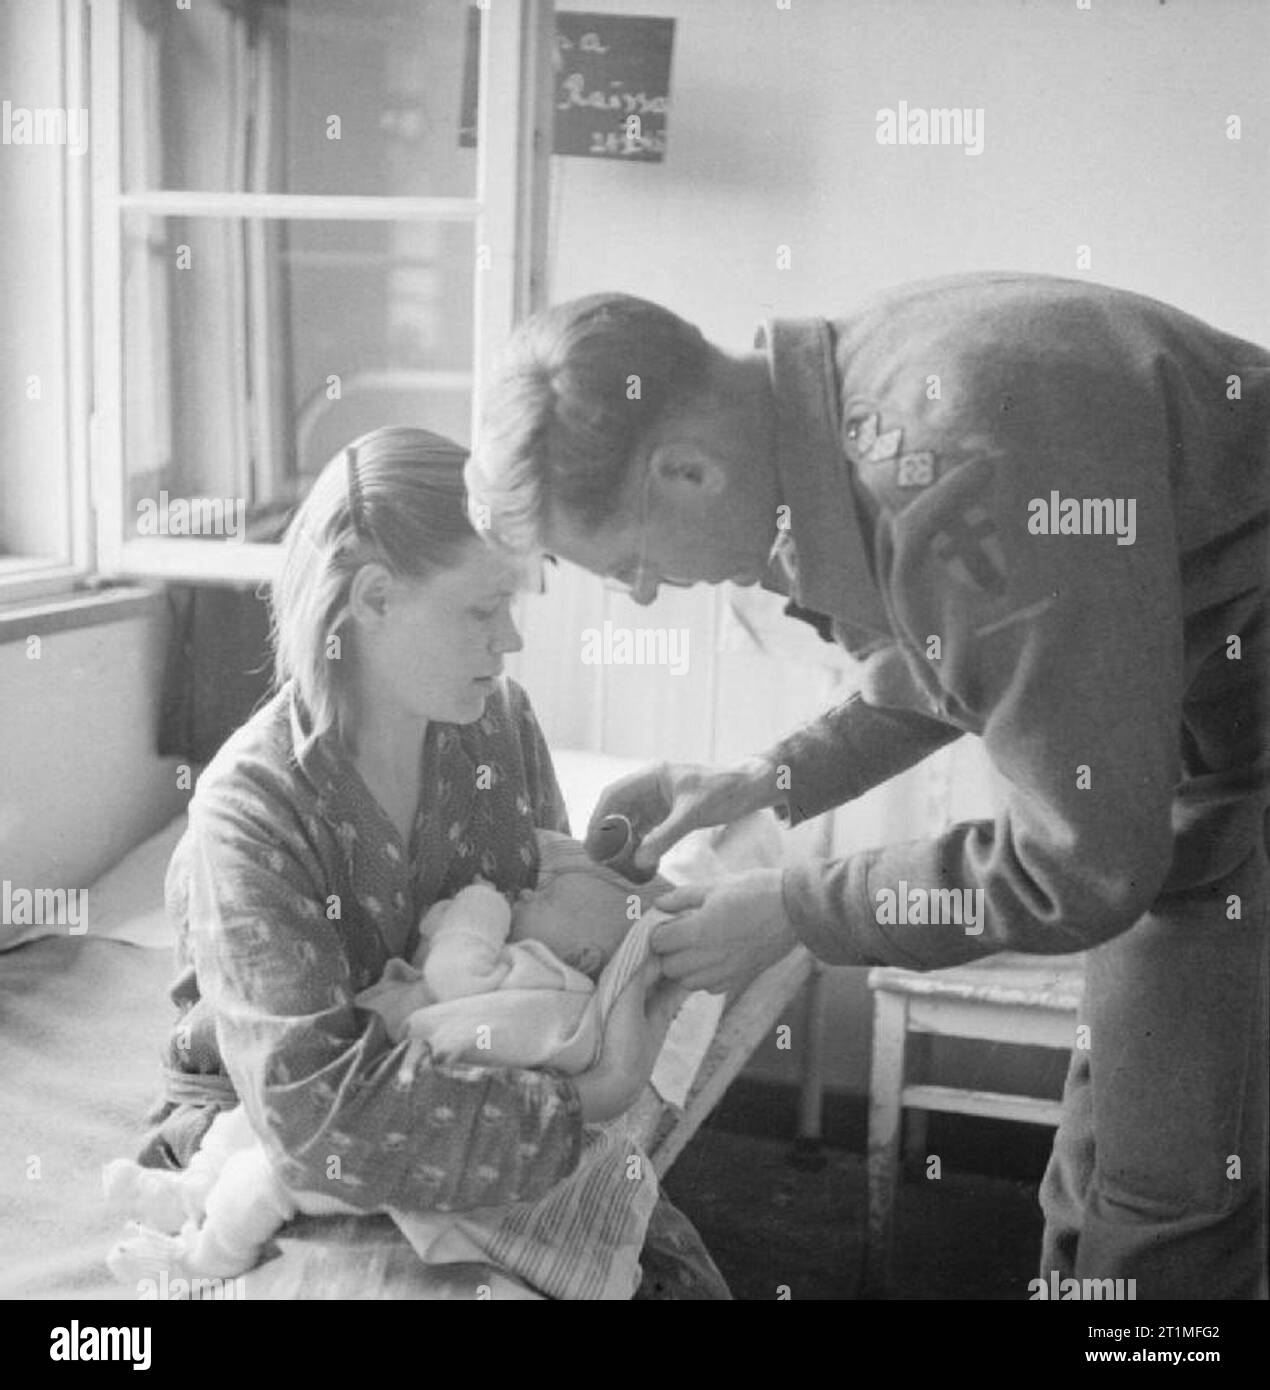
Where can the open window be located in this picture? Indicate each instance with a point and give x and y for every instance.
(45, 531)
(310, 217)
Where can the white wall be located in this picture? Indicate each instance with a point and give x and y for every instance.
(80, 782)
(1104, 127)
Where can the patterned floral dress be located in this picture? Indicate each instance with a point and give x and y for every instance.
(290, 891)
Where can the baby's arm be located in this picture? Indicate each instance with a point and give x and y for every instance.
(466, 954)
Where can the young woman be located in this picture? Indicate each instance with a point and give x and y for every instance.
(392, 767)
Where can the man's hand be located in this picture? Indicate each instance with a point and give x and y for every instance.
(726, 934)
(633, 1037)
(668, 800)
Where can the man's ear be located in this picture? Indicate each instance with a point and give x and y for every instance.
(368, 594)
(688, 469)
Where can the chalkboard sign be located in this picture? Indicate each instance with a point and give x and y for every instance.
(612, 85)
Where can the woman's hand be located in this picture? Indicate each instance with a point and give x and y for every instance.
(668, 800)
(724, 935)
(633, 1037)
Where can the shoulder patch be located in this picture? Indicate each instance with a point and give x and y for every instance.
(865, 441)
(891, 475)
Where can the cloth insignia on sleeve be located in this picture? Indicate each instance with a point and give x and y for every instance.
(915, 470)
(894, 477)
(866, 443)
(968, 546)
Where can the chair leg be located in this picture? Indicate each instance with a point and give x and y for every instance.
(914, 1147)
(808, 1150)
(886, 1083)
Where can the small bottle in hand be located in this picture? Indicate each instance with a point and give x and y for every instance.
(613, 842)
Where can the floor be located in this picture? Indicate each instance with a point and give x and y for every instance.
(770, 1222)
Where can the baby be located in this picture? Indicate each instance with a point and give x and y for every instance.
(528, 985)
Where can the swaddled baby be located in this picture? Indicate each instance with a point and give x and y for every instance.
(526, 985)
(517, 986)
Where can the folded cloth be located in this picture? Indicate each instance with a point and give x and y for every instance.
(687, 1042)
(581, 1241)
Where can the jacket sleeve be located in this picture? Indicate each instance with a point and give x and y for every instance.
(334, 1100)
(1064, 652)
(849, 750)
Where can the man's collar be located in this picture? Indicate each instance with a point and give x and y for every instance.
(833, 574)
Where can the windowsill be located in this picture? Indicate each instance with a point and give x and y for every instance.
(65, 612)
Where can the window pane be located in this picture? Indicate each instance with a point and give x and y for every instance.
(255, 349)
(311, 96)
(38, 152)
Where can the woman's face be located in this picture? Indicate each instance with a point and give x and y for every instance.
(438, 644)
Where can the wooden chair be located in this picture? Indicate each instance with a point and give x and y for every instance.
(664, 1130)
(1029, 1001)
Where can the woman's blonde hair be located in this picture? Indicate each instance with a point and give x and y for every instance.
(395, 496)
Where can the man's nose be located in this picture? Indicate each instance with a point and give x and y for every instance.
(644, 592)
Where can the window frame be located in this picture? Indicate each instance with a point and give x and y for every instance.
(508, 215)
(27, 579)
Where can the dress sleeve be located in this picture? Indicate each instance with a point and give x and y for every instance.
(546, 798)
(337, 1104)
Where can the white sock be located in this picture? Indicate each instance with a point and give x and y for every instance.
(194, 1253)
(152, 1196)
(144, 1255)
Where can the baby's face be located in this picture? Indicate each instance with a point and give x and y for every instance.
(578, 915)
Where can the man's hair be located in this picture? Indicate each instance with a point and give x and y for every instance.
(576, 391)
(395, 496)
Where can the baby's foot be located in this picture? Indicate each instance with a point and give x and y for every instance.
(145, 1255)
(150, 1195)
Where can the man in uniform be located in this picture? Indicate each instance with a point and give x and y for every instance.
(1039, 512)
